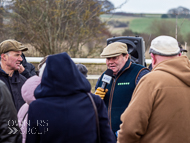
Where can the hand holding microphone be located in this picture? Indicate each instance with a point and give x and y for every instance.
(101, 91)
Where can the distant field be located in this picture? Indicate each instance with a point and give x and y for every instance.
(116, 31)
(109, 17)
(142, 24)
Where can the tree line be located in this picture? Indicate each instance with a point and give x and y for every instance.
(54, 26)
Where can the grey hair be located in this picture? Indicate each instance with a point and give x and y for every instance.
(161, 54)
(7, 53)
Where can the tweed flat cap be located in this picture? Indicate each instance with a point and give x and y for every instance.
(114, 49)
(164, 46)
(11, 45)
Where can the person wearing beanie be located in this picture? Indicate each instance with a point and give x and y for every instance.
(11, 51)
(159, 109)
(126, 75)
(82, 68)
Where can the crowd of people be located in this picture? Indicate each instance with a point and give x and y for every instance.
(55, 105)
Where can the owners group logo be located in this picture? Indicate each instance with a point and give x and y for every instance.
(14, 127)
(13, 130)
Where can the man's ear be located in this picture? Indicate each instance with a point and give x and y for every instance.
(3, 57)
(127, 57)
(153, 57)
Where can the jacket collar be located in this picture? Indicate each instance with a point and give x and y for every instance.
(14, 78)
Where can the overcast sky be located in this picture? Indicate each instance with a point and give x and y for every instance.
(149, 6)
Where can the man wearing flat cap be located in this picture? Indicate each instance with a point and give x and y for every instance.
(181, 52)
(11, 51)
(125, 77)
(159, 110)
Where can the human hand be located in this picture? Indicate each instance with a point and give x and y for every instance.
(21, 69)
(101, 92)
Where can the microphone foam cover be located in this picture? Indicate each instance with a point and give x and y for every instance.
(109, 72)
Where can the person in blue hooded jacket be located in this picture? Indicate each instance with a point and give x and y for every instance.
(62, 111)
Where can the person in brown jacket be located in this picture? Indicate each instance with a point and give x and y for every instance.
(159, 111)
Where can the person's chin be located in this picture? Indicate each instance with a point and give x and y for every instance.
(113, 69)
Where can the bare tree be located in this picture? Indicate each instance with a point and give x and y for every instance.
(54, 26)
(4, 29)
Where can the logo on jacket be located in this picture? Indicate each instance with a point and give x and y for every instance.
(123, 83)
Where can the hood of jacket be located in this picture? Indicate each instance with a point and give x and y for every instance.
(179, 67)
(61, 78)
(28, 88)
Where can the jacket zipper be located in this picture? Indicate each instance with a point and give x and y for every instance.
(111, 94)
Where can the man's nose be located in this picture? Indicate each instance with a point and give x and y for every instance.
(20, 58)
(110, 60)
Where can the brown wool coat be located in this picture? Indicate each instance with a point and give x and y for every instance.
(159, 111)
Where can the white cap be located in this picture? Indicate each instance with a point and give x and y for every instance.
(164, 46)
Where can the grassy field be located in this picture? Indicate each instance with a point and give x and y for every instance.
(142, 24)
(117, 30)
(109, 17)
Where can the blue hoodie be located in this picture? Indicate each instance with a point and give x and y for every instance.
(62, 111)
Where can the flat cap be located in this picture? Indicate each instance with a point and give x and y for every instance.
(114, 49)
(164, 46)
(11, 45)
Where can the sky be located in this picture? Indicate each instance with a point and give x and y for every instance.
(149, 6)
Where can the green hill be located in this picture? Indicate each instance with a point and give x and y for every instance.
(142, 24)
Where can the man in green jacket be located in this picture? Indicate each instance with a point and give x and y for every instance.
(125, 77)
